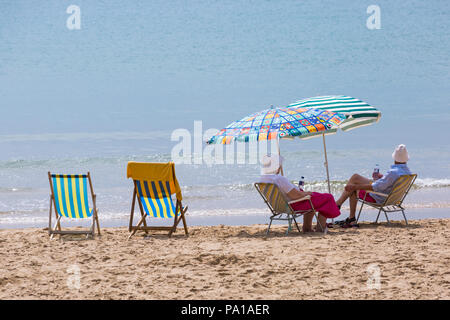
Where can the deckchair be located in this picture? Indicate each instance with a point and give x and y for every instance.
(394, 200)
(69, 198)
(280, 206)
(154, 184)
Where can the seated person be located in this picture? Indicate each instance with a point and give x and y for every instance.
(323, 202)
(381, 184)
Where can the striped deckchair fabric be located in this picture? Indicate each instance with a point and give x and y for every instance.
(399, 190)
(358, 113)
(278, 204)
(394, 200)
(154, 185)
(274, 197)
(69, 198)
(71, 195)
(156, 198)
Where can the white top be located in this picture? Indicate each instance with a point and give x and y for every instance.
(281, 181)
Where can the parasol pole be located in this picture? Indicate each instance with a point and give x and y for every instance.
(326, 162)
(279, 154)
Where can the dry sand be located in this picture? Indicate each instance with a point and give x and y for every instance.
(225, 262)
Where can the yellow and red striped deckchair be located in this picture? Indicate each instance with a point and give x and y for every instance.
(154, 185)
(69, 198)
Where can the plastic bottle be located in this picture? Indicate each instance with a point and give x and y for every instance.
(376, 172)
(301, 183)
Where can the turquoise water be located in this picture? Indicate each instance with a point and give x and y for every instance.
(94, 99)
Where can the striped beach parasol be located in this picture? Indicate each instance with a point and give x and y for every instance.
(307, 118)
(357, 113)
(279, 123)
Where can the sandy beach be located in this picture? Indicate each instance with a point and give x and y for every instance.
(231, 262)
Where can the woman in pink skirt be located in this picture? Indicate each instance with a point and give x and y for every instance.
(323, 202)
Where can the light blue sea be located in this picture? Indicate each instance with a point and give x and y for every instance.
(113, 91)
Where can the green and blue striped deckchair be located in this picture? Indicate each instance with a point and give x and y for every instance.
(69, 198)
(154, 185)
(394, 200)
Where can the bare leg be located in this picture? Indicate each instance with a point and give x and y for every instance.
(353, 202)
(307, 222)
(354, 179)
(322, 222)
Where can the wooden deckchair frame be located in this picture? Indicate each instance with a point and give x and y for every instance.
(386, 206)
(171, 229)
(57, 228)
(290, 214)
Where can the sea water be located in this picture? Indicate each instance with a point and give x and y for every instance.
(92, 99)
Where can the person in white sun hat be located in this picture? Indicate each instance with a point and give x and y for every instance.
(323, 202)
(381, 184)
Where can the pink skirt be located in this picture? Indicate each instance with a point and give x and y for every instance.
(323, 203)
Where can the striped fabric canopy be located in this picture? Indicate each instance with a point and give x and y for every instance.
(357, 112)
(71, 195)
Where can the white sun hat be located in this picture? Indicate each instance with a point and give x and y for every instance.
(271, 163)
(400, 154)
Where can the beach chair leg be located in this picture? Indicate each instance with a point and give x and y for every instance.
(177, 221)
(359, 213)
(289, 225)
(183, 219)
(141, 208)
(132, 210)
(296, 224)
(379, 212)
(404, 216)
(57, 226)
(186, 232)
(137, 226)
(184, 222)
(145, 225)
(98, 224)
(50, 218)
(174, 226)
(387, 219)
(92, 233)
(270, 224)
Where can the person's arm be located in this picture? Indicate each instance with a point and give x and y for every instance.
(379, 184)
(385, 182)
(290, 189)
(295, 194)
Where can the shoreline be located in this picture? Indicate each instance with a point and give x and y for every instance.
(368, 215)
(231, 262)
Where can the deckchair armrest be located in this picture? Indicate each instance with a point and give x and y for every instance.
(378, 193)
(300, 200)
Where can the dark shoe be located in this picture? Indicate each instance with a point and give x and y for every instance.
(350, 226)
(342, 222)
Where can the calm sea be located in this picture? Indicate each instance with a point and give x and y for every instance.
(93, 99)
